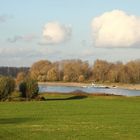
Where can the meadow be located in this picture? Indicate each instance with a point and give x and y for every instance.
(71, 117)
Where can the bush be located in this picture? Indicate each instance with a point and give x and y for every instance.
(29, 88)
(22, 89)
(7, 85)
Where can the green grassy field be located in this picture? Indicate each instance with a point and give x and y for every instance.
(71, 118)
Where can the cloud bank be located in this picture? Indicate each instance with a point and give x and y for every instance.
(4, 18)
(25, 38)
(116, 29)
(55, 33)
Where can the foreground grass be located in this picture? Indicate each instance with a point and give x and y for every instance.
(65, 118)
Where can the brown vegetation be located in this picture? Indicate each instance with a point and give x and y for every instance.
(80, 71)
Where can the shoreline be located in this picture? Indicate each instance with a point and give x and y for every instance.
(74, 84)
(107, 85)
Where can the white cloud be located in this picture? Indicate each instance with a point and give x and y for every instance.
(55, 33)
(116, 29)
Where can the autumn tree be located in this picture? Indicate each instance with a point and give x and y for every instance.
(20, 77)
(52, 75)
(133, 71)
(39, 70)
(100, 70)
(74, 68)
(81, 78)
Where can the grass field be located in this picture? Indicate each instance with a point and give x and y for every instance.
(71, 118)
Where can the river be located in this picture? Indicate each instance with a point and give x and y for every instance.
(89, 89)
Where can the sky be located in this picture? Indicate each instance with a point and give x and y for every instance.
(33, 30)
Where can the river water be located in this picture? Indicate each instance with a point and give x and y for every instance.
(89, 89)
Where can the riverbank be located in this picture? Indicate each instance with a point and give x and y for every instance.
(64, 84)
(124, 86)
(108, 85)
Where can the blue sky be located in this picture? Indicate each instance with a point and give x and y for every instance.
(26, 30)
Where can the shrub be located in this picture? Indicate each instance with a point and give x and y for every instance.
(7, 85)
(29, 88)
(22, 89)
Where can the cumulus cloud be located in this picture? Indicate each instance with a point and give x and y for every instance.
(116, 29)
(55, 33)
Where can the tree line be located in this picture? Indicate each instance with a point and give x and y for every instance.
(82, 71)
(76, 70)
(12, 71)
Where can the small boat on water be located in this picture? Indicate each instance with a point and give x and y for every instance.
(94, 85)
(84, 86)
(99, 86)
